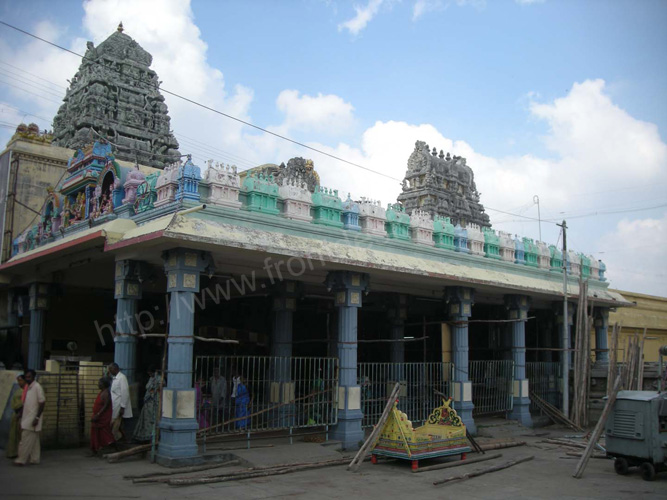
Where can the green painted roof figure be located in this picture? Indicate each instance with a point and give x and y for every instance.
(261, 194)
(530, 252)
(327, 207)
(443, 233)
(398, 222)
(491, 244)
(115, 96)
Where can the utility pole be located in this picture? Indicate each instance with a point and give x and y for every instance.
(565, 353)
(536, 199)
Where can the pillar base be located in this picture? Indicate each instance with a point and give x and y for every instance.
(178, 442)
(521, 412)
(464, 410)
(348, 430)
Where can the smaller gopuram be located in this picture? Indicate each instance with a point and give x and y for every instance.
(442, 185)
(115, 96)
(298, 170)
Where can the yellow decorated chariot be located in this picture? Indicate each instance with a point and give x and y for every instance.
(443, 434)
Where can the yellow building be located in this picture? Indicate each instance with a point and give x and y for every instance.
(650, 313)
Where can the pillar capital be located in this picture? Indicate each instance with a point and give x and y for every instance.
(128, 277)
(557, 308)
(348, 287)
(398, 309)
(601, 315)
(460, 300)
(39, 296)
(285, 295)
(518, 305)
(184, 266)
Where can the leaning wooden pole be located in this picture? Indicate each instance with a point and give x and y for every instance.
(579, 470)
(370, 442)
(485, 471)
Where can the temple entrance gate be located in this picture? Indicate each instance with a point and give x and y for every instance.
(277, 393)
(417, 396)
(492, 386)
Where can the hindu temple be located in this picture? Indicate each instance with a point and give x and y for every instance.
(115, 96)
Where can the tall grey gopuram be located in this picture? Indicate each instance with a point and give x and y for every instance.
(442, 185)
(115, 96)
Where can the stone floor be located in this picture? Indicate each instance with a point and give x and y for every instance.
(68, 474)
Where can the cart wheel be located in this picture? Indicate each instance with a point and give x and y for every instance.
(621, 466)
(374, 459)
(648, 471)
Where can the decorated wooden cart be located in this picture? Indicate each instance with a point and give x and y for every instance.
(443, 434)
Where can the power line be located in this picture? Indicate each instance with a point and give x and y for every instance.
(32, 74)
(203, 106)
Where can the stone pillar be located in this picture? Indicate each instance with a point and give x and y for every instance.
(178, 425)
(546, 342)
(127, 292)
(558, 310)
(397, 316)
(282, 387)
(518, 306)
(348, 288)
(39, 303)
(459, 301)
(601, 328)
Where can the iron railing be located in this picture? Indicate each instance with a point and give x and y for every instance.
(492, 386)
(282, 393)
(544, 380)
(417, 397)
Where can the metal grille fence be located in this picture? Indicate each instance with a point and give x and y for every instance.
(69, 394)
(544, 380)
(417, 397)
(492, 386)
(274, 393)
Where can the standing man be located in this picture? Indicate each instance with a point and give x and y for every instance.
(120, 400)
(31, 421)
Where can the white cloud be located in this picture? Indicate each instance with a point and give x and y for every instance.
(422, 7)
(322, 113)
(636, 242)
(363, 16)
(170, 34)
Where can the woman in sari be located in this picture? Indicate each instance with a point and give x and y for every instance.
(242, 401)
(143, 431)
(15, 423)
(100, 422)
(202, 405)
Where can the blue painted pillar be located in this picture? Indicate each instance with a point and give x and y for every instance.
(348, 288)
(178, 425)
(459, 302)
(282, 388)
(39, 303)
(601, 328)
(558, 310)
(518, 306)
(127, 291)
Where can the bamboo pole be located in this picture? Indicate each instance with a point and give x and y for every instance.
(250, 474)
(458, 463)
(640, 376)
(480, 472)
(113, 457)
(138, 478)
(579, 470)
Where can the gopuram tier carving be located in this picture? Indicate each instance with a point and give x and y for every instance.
(443, 186)
(115, 96)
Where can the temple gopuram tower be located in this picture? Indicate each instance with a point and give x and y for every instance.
(115, 96)
(442, 185)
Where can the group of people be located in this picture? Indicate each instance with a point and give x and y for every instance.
(218, 408)
(113, 406)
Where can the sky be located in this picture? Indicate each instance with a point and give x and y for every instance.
(560, 100)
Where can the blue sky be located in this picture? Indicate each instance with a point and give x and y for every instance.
(563, 99)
